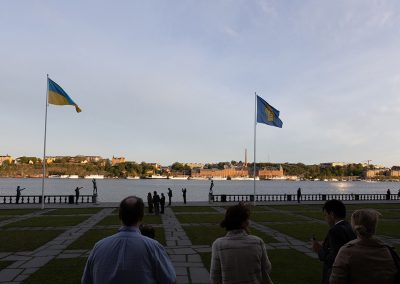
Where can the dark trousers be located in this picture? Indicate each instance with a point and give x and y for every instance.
(162, 208)
(169, 200)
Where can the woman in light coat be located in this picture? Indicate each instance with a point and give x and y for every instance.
(365, 260)
(239, 257)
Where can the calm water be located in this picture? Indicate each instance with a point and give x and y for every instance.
(113, 190)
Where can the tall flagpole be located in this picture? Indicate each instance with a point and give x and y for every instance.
(254, 163)
(44, 144)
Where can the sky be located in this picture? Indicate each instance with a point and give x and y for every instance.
(167, 81)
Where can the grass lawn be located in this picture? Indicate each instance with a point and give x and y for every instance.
(114, 220)
(73, 211)
(389, 228)
(297, 207)
(4, 264)
(193, 209)
(274, 217)
(290, 266)
(59, 271)
(12, 212)
(312, 214)
(201, 218)
(302, 232)
(13, 241)
(49, 221)
(88, 240)
(390, 214)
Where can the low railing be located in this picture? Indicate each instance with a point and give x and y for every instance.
(37, 199)
(304, 197)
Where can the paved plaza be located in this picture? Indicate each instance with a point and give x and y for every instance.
(186, 256)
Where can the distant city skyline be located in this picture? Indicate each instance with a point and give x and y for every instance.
(174, 81)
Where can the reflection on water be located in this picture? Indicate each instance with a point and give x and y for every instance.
(342, 186)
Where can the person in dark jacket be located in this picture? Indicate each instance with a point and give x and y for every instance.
(169, 196)
(340, 233)
(156, 202)
(162, 203)
(150, 202)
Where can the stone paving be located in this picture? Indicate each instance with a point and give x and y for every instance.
(184, 256)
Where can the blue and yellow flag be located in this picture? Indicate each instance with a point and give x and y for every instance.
(57, 96)
(267, 114)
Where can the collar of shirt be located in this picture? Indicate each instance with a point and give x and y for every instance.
(236, 232)
(129, 229)
(339, 222)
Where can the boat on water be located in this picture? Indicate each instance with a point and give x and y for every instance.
(158, 177)
(54, 176)
(64, 176)
(73, 176)
(219, 178)
(244, 178)
(94, 177)
(178, 178)
(132, 177)
(198, 178)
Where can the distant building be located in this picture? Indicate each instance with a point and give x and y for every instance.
(117, 160)
(376, 172)
(270, 173)
(210, 173)
(156, 166)
(6, 158)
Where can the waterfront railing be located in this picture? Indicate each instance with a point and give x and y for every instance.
(304, 197)
(37, 199)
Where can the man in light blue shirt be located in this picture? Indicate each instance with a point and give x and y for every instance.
(127, 256)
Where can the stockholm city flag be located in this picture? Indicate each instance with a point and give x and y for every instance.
(267, 114)
(57, 96)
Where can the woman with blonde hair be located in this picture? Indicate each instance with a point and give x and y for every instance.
(366, 259)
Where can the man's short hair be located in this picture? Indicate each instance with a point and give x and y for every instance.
(335, 206)
(131, 210)
(235, 217)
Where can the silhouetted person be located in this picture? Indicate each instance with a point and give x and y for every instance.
(184, 195)
(398, 193)
(147, 230)
(156, 202)
(127, 256)
(150, 202)
(162, 203)
(77, 194)
(94, 186)
(19, 189)
(170, 195)
(210, 193)
(388, 194)
(298, 195)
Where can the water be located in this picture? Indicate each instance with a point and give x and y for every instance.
(114, 190)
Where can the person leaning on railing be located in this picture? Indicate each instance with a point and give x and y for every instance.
(365, 260)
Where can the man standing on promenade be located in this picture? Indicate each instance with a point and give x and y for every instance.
(340, 232)
(156, 202)
(184, 195)
(299, 195)
(210, 193)
(94, 187)
(388, 193)
(19, 189)
(169, 196)
(150, 202)
(128, 256)
(77, 194)
(162, 203)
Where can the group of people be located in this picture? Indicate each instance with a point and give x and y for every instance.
(389, 194)
(156, 203)
(350, 252)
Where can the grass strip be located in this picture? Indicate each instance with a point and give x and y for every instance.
(15, 212)
(274, 217)
(59, 271)
(48, 221)
(73, 211)
(4, 264)
(201, 218)
(13, 241)
(180, 209)
(114, 220)
(302, 232)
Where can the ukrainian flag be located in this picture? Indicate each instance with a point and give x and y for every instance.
(57, 96)
(267, 114)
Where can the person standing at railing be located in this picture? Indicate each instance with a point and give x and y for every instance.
(210, 193)
(19, 189)
(388, 193)
(398, 194)
(77, 194)
(299, 195)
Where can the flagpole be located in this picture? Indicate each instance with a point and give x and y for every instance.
(255, 131)
(44, 144)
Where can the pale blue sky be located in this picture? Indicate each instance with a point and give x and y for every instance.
(165, 81)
